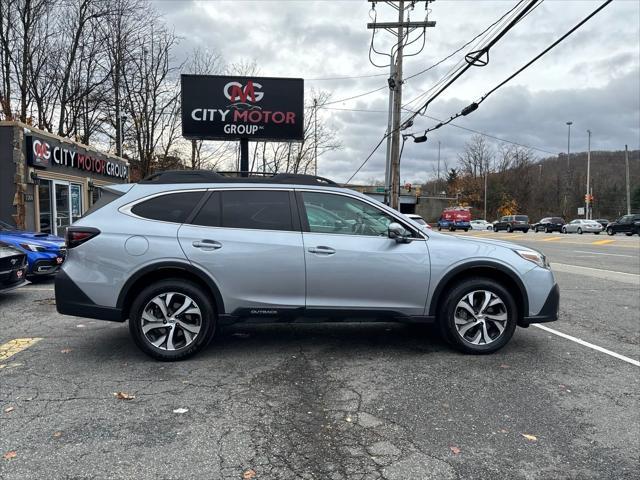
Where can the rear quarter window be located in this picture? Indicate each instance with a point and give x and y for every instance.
(521, 218)
(169, 207)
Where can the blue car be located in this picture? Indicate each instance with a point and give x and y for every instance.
(45, 253)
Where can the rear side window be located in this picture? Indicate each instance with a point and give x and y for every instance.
(210, 213)
(105, 197)
(256, 209)
(171, 207)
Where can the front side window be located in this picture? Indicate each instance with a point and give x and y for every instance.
(171, 207)
(328, 213)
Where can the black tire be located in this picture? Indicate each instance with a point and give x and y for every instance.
(610, 231)
(526, 230)
(579, 231)
(181, 286)
(628, 234)
(596, 233)
(446, 312)
(509, 229)
(547, 230)
(439, 228)
(564, 230)
(466, 229)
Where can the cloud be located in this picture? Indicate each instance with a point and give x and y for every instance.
(593, 78)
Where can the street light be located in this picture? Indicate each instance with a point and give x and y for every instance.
(587, 198)
(569, 144)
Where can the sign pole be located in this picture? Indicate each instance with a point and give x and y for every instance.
(244, 157)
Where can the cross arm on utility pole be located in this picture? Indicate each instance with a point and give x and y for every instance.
(428, 23)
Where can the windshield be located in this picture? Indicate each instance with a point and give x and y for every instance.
(5, 227)
(419, 220)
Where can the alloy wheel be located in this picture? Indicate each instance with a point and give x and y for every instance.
(171, 321)
(480, 317)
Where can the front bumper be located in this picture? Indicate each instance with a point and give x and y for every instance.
(13, 278)
(549, 311)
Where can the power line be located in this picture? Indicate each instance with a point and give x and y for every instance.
(474, 106)
(349, 77)
(472, 58)
(478, 132)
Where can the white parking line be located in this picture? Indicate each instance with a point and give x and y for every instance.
(587, 344)
(610, 254)
(597, 273)
(42, 289)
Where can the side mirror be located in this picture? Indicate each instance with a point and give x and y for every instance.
(398, 233)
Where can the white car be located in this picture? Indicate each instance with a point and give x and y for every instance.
(418, 219)
(581, 225)
(481, 225)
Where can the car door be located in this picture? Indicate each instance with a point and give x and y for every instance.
(249, 241)
(352, 264)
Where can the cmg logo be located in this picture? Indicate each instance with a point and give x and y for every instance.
(41, 150)
(235, 92)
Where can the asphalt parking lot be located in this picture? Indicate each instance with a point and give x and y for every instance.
(335, 401)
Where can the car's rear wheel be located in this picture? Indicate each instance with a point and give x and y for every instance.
(478, 316)
(509, 229)
(579, 231)
(564, 230)
(547, 230)
(172, 319)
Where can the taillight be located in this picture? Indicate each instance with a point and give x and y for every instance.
(78, 235)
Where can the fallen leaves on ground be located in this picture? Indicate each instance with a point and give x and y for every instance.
(247, 474)
(9, 409)
(65, 350)
(455, 450)
(181, 410)
(10, 454)
(531, 438)
(57, 434)
(124, 396)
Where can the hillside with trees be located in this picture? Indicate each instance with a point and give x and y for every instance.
(518, 182)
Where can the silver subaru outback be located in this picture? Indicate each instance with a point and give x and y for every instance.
(181, 253)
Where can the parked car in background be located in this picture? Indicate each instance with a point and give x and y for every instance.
(580, 225)
(455, 218)
(13, 267)
(180, 253)
(548, 225)
(512, 223)
(603, 221)
(418, 219)
(45, 252)
(627, 224)
(481, 225)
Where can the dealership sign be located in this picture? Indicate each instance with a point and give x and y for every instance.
(46, 153)
(218, 107)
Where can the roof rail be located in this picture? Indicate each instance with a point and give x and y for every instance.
(208, 176)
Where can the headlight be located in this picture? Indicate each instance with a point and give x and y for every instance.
(535, 257)
(32, 248)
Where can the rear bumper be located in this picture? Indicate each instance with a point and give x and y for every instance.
(70, 300)
(549, 311)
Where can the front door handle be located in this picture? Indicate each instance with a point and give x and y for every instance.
(207, 244)
(321, 249)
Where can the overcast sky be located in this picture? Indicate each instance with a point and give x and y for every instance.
(592, 78)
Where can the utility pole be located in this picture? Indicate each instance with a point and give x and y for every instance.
(565, 207)
(587, 199)
(438, 182)
(486, 175)
(626, 166)
(402, 30)
(315, 137)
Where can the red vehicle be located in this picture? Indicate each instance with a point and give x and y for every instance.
(455, 218)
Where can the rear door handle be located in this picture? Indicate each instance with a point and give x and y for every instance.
(207, 244)
(321, 249)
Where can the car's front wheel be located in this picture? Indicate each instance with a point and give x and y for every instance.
(579, 231)
(610, 231)
(172, 319)
(478, 316)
